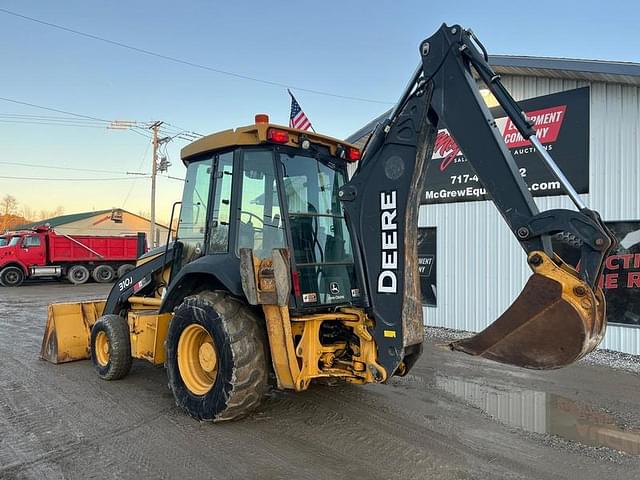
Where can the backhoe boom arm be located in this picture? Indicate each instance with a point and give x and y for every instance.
(382, 200)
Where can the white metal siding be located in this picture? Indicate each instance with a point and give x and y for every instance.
(481, 267)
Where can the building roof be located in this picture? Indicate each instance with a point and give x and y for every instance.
(357, 137)
(626, 73)
(63, 219)
(592, 70)
(75, 217)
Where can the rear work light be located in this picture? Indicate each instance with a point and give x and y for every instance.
(277, 135)
(353, 154)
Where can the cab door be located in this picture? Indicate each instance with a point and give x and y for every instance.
(205, 217)
(32, 251)
(192, 224)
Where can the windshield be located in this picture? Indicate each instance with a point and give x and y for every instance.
(3, 241)
(315, 213)
(321, 242)
(14, 241)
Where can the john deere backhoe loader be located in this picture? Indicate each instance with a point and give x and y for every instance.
(284, 269)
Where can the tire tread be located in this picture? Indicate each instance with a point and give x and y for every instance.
(248, 345)
(117, 329)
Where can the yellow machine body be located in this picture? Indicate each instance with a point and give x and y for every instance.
(147, 329)
(297, 355)
(254, 135)
(68, 331)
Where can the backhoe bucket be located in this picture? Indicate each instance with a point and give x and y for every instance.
(68, 331)
(556, 320)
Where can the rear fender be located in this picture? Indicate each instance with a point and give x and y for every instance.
(212, 272)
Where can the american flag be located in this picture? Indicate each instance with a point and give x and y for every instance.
(297, 118)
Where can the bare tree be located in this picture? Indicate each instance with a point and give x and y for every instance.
(8, 205)
(45, 214)
(58, 211)
(29, 214)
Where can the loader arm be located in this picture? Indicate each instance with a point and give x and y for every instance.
(559, 317)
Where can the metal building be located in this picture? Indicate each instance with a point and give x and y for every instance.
(102, 222)
(481, 267)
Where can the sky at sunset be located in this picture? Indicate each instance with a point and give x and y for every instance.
(324, 51)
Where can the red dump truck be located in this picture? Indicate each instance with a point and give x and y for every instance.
(42, 252)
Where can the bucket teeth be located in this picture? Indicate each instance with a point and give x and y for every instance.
(555, 321)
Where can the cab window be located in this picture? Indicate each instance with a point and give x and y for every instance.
(260, 224)
(221, 207)
(31, 241)
(193, 214)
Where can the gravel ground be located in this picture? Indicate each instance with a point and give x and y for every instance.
(452, 417)
(606, 358)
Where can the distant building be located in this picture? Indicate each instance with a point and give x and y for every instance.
(103, 222)
(587, 113)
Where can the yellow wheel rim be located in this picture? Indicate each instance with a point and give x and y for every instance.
(102, 349)
(197, 359)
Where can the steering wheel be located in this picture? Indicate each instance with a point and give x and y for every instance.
(252, 215)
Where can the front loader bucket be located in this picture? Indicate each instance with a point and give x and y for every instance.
(555, 321)
(68, 331)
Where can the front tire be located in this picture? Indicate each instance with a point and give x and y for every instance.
(111, 347)
(11, 277)
(216, 357)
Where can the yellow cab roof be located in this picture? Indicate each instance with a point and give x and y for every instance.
(256, 134)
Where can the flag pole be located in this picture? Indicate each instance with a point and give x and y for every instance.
(294, 98)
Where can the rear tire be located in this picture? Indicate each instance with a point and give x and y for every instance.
(103, 274)
(236, 380)
(111, 347)
(78, 274)
(124, 269)
(11, 277)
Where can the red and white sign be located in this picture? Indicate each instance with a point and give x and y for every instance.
(547, 123)
(561, 121)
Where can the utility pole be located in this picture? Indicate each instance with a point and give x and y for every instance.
(154, 171)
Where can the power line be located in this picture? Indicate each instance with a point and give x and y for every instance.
(79, 115)
(48, 118)
(132, 128)
(52, 124)
(189, 63)
(74, 179)
(144, 155)
(183, 129)
(35, 165)
(139, 131)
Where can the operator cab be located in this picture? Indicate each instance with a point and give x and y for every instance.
(264, 187)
